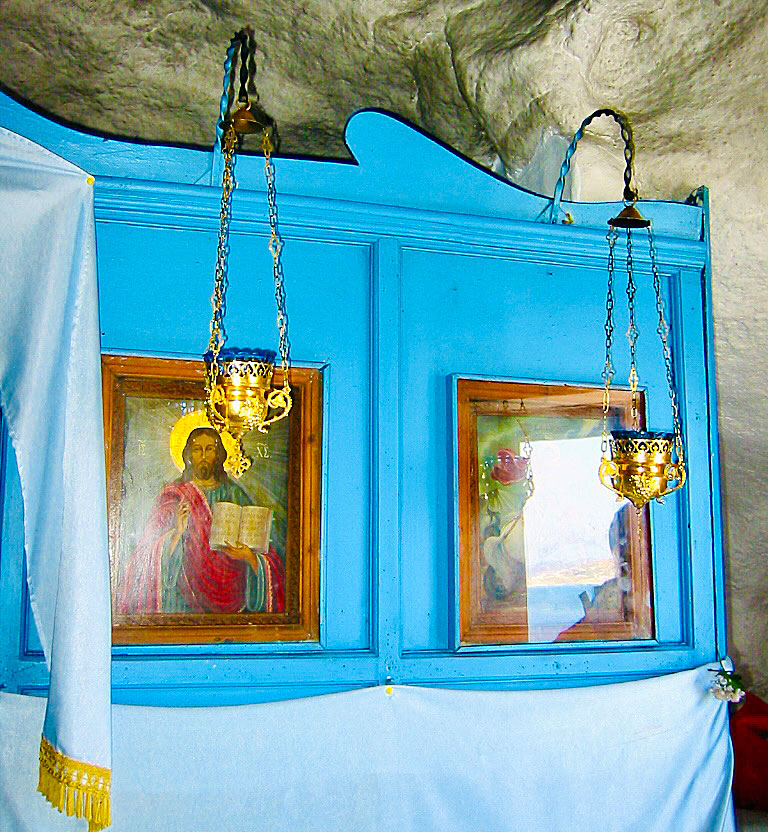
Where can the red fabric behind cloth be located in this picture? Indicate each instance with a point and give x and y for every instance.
(749, 734)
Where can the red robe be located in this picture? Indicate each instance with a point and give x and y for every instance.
(209, 580)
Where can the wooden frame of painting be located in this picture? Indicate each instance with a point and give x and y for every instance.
(546, 553)
(169, 586)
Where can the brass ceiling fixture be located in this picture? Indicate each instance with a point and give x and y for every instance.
(642, 464)
(238, 381)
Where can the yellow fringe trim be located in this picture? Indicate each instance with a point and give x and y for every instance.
(76, 788)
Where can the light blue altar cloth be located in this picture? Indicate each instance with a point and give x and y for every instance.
(645, 756)
(50, 391)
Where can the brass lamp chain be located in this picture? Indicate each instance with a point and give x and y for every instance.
(275, 249)
(636, 465)
(632, 331)
(608, 372)
(218, 298)
(663, 330)
(527, 449)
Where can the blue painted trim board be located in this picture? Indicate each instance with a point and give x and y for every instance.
(718, 565)
(393, 164)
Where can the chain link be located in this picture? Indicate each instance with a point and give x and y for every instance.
(632, 331)
(219, 296)
(608, 372)
(275, 248)
(663, 331)
(527, 449)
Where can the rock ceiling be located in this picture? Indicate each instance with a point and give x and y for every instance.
(495, 79)
(485, 76)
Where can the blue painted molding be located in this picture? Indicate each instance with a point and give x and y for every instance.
(395, 164)
(718, 565)
(386, 580)
(101, 156)
(323, 219)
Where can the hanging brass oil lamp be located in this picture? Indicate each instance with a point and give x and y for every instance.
(642, 465)
(238, 381)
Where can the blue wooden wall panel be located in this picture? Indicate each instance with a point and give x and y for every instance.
(403, 268)
(155, 286)
(481, 316)
(154, 297)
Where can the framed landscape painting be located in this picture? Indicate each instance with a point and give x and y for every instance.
(546, 553)
(197, 554)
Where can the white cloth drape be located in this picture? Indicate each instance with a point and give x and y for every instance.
(50, 391)
(650, 756)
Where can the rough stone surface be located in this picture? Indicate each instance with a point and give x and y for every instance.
(494, 79)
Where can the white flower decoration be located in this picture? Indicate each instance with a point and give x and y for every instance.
(727, 686)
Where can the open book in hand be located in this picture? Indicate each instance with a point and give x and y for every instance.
(233, 524)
